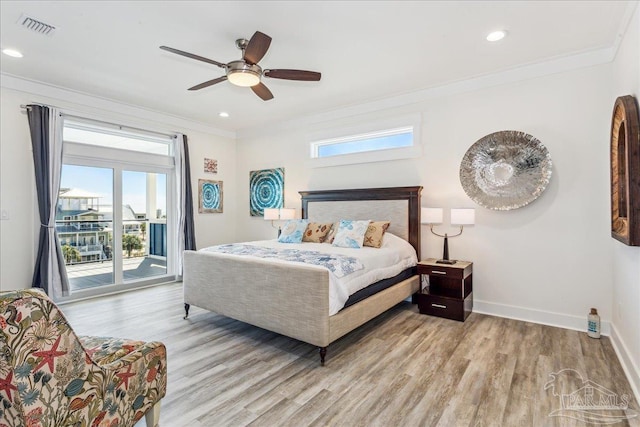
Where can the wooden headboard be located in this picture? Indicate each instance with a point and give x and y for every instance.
(400, 205)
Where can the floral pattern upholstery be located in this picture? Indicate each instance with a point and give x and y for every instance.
(49, 377)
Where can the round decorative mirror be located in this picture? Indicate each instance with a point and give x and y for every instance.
(505, 170)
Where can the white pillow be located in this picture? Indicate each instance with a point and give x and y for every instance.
(293, 231)
(351, 234)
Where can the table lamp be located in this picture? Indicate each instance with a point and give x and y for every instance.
(461, 217)
(275, 214)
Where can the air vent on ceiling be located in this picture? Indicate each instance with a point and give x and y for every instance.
(35, 25)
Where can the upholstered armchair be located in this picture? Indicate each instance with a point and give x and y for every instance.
(50, 377)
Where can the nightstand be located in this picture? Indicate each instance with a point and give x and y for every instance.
(450, 290)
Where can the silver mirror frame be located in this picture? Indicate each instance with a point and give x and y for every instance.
(505, 170)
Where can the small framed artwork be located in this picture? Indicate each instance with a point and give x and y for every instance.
(266, 190)
(625, 171)
(210, 166)
(209, 196)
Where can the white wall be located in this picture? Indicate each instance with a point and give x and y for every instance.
(626, 260)
(18, 235)
(549, 261)
(17, 195)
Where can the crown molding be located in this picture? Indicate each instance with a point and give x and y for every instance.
(80, 101)
(554, 65)
(526, 72)
(629, 12)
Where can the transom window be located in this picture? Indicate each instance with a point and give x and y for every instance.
(116, 137)
(372, 141)
(377, 140)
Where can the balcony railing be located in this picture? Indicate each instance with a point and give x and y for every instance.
(93, 264)
(90, 249)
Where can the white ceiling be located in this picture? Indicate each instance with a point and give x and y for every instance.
(366, 50)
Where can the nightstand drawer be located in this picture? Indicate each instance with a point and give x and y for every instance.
(449, 308)
(444, 271)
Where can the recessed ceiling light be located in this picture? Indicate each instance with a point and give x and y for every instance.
(496, 35)
(223, 114)
(12, 52)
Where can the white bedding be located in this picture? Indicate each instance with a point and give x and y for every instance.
(394, 256)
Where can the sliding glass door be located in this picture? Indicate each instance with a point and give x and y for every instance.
(84, 223)
(144, 225)
(115, 218)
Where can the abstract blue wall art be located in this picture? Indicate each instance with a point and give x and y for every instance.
(266, 190)
(209, 196)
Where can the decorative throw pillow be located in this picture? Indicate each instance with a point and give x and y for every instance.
(332, 233)
(375, 231)
(351, 234)
(316, 232)
(293, 230)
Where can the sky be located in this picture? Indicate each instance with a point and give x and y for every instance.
(100, 181)
(368, 144)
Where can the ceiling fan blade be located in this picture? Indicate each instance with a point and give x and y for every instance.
(310, 76)
(192, 56)
(256, 48)
(208, 83)
(262, 91)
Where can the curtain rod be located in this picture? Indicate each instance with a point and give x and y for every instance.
(170, 135)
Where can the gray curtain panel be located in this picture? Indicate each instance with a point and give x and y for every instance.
(189, 226)
(45, 125)
(186, 229)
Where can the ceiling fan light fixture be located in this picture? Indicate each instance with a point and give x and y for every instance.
(242, 74)
(246, 72)
(243, 78)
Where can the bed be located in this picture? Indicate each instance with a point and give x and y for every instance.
(293, 300)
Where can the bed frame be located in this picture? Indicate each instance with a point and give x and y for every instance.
(294, 300)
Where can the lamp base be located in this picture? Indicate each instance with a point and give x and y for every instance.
(445, 252)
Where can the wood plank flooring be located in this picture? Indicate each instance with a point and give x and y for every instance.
(400, 369)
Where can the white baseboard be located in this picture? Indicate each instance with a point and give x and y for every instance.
(631, 370)
(560, 320)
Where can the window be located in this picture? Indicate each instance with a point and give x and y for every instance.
(374, 141)
(114, 136)
(380, 140)
(117, 184)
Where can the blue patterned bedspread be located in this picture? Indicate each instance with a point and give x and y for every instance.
(339, 265)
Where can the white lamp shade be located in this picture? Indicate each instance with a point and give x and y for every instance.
(271, 214)
(287, 213)
(463, 216)
(431, 215)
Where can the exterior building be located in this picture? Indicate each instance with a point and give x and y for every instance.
(82, 223)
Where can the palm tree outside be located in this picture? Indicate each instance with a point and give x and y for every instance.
(70, 254)
(131, 242)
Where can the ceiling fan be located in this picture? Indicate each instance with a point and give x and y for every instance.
(246, 72)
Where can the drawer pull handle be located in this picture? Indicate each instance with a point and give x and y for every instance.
(438, 272)
(438, 306)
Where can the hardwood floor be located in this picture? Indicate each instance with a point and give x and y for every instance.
(400, 369)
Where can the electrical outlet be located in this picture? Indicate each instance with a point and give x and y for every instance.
(4, 214)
